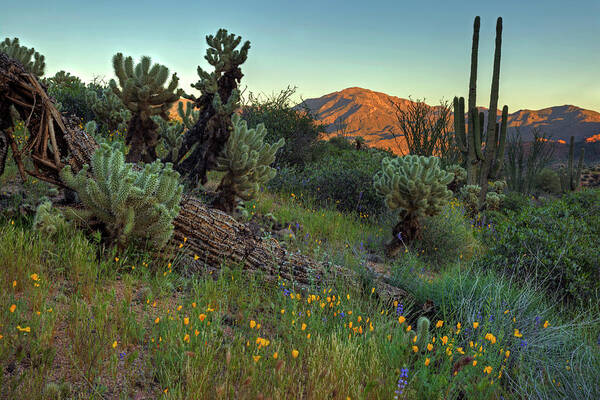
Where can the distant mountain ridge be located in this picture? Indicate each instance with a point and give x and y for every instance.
(370, 114)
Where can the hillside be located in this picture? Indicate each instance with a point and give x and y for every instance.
(371, 115)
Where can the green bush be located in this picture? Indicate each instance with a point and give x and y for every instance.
(72, 94)
(340, 178)
(446, 237)
(515, 201)
(548, 181)
(297, 127)
(557, 243)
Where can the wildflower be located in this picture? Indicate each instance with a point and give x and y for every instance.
(256, 358)
(490, 337)
(186, 338)
(415, 349)
(303, 326)
(439, 324)
(114, 345)
(507, 353)
(517, 333)
(275, 355)
(458, 326)
(193, 305)
(295, 353)
(426, 361)
(157, 320)
(35, 277)
(202, 317)
(488, 370)
(474, 362)
(13, 308)
(475, 325)
(429, 347)
(252, 324)
(445, 339)
(401, 319)
(546, 324)
(196, 332)
(402, 381)
(14, 283)
(196, 257)
(408, 328)
(282, 311)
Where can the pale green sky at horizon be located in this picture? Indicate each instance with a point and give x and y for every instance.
(550, 51)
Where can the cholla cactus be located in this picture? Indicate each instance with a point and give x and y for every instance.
(460, 176)
(493, 198)
(63, 78)
(220, 98)
(142, 92)
(189, 117)
(48, 220)
(417, 186)
(171, 134)
(109, 110)
(23, 55)
(246, 162)
(131, 204)
(420, 337)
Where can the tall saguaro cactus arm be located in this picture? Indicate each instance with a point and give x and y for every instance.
(571, 178)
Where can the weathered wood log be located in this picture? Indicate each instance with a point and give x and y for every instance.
(209, 237)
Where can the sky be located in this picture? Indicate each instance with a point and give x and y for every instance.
(550, 49)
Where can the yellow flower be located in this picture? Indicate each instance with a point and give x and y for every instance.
(186, 321)
(458, 326)
(426, 361)
(186, 338)
(517, 333)
(193, 305)
(295, 353)
(196, 332)
(401, 319)
(439, 324)
(303, 326)
(490, 337)
(488, 370)
(475, 325)
(35, 277)
(429, 347)
(252, 324)
(202, 317)
(196, 257)
(408, 328)
(15, 284)
(114, 345)
(282, 311)
(545, 323)
(13, 308)
(445, 339)
(179, 308)
(256, 358)
(415, 349)
(507, 353)
(116, 259)
(157, 320)
(275, 355)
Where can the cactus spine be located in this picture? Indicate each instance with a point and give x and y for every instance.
(142, 91)
(171, 134)
(487, 164)
(109, 110)
(570, 179)
(189, 117)
(23, 55)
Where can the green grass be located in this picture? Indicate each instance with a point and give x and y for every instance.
(96, 324)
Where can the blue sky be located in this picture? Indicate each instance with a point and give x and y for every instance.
(550, 51)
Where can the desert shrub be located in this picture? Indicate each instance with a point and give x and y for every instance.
(339, 178)
(445, 237)
(557, 243)
(297, 127)
(515, 201)
(72, 95)
(548, 181)
(48, 220)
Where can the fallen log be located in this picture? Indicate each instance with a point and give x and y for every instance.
(209, 237)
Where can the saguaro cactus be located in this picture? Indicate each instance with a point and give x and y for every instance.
(486, 164)
(23, 55)
(571, 178)
(417, 186)
(142, 92)
(220, 98)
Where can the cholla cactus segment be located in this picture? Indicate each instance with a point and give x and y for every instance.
(22, 54)
(189, 117)
(131, 204)
(109, 110)
(171, 134)
(493, 199)
(460, 174)
(246, 159)
(48, 220)
(413, 183)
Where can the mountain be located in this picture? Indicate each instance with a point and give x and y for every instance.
(363, 112)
